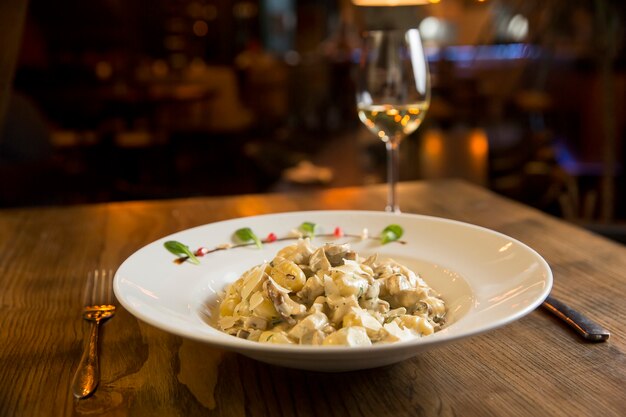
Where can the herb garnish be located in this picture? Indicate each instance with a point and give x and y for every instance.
(246, 234)
(308, 229)
(391, 233)
(181, 250)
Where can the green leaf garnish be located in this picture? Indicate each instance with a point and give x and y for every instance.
(246, 234)
(308, 229)
(181, 250)
(391, 233)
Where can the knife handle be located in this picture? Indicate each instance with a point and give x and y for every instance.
(584, 326)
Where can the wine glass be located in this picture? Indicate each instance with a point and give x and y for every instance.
(393, 93)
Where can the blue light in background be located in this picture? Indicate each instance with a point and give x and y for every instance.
(466, 54)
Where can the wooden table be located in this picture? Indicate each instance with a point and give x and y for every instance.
(532, 367)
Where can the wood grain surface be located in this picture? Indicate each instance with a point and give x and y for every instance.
(532, 367)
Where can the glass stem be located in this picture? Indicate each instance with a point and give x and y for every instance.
(393, 167)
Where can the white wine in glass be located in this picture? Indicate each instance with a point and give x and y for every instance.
(393, 93)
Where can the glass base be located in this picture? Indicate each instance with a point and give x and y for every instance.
(393, 209)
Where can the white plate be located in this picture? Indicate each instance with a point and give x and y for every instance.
(486, 278)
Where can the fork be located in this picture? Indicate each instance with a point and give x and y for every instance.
(98, 307)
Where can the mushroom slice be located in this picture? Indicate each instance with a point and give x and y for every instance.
(318, 261)
(371, 260)
(285, 306)
(337, 253)
(254, 322)
(243, 334)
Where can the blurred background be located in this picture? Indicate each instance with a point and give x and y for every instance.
(112, 100)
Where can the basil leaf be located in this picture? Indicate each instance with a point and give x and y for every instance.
(308, 228)
(391, 233)
(181, 250)
(246, 234)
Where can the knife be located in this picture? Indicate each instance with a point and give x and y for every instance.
(587, 328)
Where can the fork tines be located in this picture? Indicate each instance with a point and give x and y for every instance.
(99, 288)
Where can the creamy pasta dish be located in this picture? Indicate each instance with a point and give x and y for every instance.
(329, 295)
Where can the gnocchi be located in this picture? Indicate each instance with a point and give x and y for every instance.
(329, 296)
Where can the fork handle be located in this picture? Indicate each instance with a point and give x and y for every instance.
(88, 373)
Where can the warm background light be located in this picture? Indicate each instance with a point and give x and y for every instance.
(203, 97)
(461, 153)
(392, 2)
